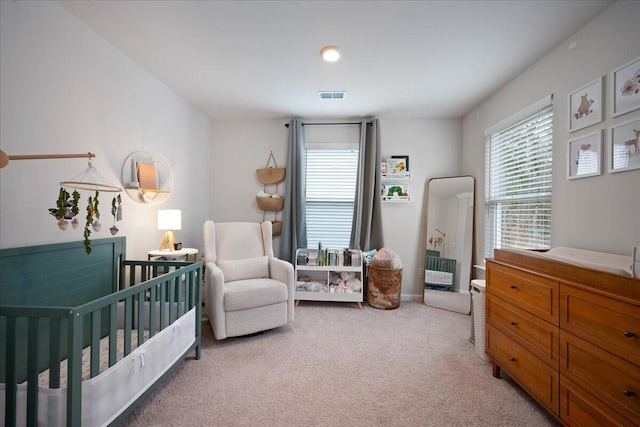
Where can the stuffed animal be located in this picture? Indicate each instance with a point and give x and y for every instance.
(346, 275)
(354, 285)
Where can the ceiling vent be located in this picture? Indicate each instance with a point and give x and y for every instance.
(332, 94)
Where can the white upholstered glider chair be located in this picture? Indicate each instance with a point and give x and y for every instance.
(247, 288)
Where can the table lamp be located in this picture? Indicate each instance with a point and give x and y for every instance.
(169, 220)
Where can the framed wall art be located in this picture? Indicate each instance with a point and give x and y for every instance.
(624, 146)
(585, 156)
(625, 88)
(585, 105)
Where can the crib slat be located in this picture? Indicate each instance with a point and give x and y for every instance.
(10, 373)
(128, 319)
(141, 318)
(172, 298)
(74, 374)
(32, 372)
(113, 333)
(178, 286)
(54, 353)
(152, 311)
(163, 298)
(95, 343)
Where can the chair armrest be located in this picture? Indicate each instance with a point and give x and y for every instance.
(214, 303)
(283, 271)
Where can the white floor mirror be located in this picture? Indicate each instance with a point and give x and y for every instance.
(449, 241)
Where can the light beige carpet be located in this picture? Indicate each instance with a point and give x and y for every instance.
(340, 366)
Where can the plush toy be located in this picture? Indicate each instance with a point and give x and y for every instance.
(346, 275)
(334, 278)
(354, 285)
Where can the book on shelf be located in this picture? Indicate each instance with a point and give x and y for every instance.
(326, 257)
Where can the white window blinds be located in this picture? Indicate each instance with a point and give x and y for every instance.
(330, 191)
(518, 160)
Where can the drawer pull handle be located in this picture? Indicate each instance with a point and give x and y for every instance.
(513, 323)
(512, 286)
(513, 359)
(629, 393)
(629, 334)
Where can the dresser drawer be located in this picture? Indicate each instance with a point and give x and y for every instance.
(579, 408)
(533, 293)
(611, 324)
(538, 378)
(612, 380)
(539, 337)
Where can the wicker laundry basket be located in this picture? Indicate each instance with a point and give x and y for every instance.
(384, 286)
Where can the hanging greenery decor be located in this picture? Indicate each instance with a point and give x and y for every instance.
(116, 212)
(67, 204)
(92, 213)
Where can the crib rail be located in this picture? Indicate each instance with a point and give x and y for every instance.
(152, 296)
(438, 264)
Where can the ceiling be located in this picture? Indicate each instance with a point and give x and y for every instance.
(261, 59)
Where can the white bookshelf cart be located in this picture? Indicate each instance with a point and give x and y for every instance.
(313, 276)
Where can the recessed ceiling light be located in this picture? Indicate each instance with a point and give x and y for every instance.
(330, 53)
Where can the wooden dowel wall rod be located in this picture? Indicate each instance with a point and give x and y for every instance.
(51, 156)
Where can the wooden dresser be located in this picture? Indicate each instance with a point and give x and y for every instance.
(571, 342)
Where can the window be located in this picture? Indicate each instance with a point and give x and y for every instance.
(518, 160)
(330, 194)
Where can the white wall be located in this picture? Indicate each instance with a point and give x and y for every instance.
(66, 90)
(238, 148)
(598, 213)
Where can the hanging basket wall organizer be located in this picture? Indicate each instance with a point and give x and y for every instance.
(271, 175)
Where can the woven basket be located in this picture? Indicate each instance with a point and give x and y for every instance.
(270, 203)
(276, 228)
(271, 174)
(384, 286)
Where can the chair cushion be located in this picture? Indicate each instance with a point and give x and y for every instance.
(247, 268)
(251, 293)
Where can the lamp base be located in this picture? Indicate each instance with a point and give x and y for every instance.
(168, 240)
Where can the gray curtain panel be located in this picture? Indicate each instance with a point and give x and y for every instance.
(366, 230)
(294, 229)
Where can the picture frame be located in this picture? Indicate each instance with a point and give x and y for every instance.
(624, 146)
(404, 156)
(585, 156)
(396, 167)
(585, 105)
(625, 88)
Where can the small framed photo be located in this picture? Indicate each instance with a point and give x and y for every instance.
(585, 105)
(397, 167)
(585, 156)
(624, 148)
(625, 88)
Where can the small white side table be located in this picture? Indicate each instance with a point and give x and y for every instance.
(166, 254)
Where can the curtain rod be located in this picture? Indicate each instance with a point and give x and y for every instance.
(324, 124)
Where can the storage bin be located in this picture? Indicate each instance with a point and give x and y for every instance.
(383, 287)
(276, 228)
(270, 203)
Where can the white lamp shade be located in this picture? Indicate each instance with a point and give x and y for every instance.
(170, 219)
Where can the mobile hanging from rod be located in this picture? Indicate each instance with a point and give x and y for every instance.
(4, 158)
(90, 179)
